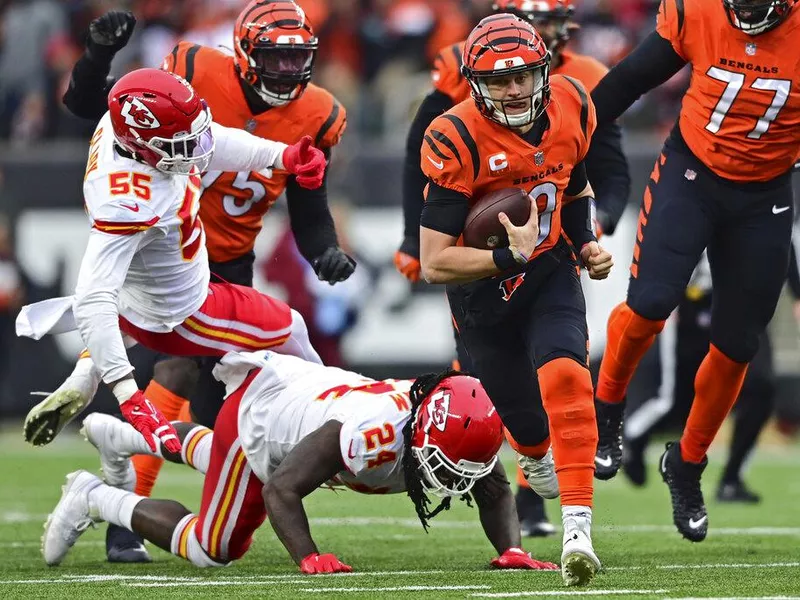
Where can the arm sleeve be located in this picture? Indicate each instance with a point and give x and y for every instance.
(608, 172)
(310, 217)
(650, 64)
(237, 150)
(577, 218)
(414, 179)
(103, 271)
(87, 95)
(445, 210)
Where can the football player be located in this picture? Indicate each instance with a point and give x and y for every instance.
(520, 310)
(144, 276)
(722, 182)
(287, 428)
(265, 89)
(606, 164)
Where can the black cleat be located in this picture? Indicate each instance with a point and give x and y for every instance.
(608, 458)
(683, 479)
(633, 462)
(532, 518)
(123, 546)
(736, 491)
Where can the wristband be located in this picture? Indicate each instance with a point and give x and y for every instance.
(125, 389)
(504, 258)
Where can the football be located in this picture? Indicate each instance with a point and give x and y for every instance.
(483, 229)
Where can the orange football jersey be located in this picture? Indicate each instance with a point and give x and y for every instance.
(741, 114)
(468, 153)
(233, 204)
(447, 77)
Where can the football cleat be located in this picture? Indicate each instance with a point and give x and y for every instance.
(736, 491)
(608, 457)
(633, 465)
(123, 546)
(46, 420)
(106, 433)
(683, 478)
(540, 473)
(579, 563)
(70, 518)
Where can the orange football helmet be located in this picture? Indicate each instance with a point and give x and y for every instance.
(551, 18)
(275, 48)
(505, 45)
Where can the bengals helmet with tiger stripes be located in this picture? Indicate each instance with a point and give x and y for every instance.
(551, 18)
(275, 48)
(503, 45)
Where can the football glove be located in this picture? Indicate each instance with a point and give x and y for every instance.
(148, 420)
(406, 259)
(316, 563)
(333, 265)
(109, 33)
(306, 162)
(517, 558)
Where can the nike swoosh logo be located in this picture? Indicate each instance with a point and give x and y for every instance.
(134, 208)
(695, 524)
(664, 463)
(603, 462)
(438, 165)
(350, 451)
(777, 211)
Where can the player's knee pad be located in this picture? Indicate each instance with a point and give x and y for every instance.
(652, 300)
(178, 375)
(569, 401)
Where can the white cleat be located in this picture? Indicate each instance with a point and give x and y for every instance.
(46, 420)
(579, 563)
(105, 433)
(541, 474)
(70, 518)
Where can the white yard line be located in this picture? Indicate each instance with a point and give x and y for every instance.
(569, 593)
(399, 588)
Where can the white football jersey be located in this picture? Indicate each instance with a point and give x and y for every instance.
(167, 280)
(290, 398)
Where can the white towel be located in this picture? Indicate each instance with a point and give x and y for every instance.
(48, 316)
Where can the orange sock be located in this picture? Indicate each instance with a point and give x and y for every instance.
(567, 395)
(716, 387)
(629, 337)
(147, 467)
(185, 416)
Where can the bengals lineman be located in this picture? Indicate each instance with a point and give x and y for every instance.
(722, 182)
(287, 428)
(265, 89)
(520, 310)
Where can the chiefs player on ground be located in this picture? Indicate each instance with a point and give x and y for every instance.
(722, 182)
(265, 89)
(287, 428)
(606, 164)
(520, 310)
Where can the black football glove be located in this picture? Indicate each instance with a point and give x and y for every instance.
(109, 33)
(333, 265)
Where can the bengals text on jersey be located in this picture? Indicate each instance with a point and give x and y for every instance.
(453, 159)
(741, 114)
(233, 204)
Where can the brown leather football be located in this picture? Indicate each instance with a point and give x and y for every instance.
(483, 229)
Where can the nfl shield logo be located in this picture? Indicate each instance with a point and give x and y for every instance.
(750, 49)
(250, 126)
(538, 158)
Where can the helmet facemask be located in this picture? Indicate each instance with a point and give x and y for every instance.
(444, 478)
(756, 16)
(280, 73)
(185, 152)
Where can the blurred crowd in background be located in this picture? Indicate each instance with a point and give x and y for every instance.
(374, 54)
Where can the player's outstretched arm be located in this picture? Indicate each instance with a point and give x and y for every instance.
(315, 460)
(88, 89)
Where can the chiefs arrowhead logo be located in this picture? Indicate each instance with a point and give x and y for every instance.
(510, 285)
(438, 409)
(138, 115)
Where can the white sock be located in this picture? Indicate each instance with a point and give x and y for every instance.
(576, 511)
(85, 368)
(196, 450)
(299, 343)
(132, 442)
(113, 505)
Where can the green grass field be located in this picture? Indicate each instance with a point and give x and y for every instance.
(750, 551)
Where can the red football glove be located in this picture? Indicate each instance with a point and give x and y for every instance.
(148, 420)
(517, 558)
(316, 563)
(306, 162)
(408, 266)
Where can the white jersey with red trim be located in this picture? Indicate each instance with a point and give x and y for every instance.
(167, 279)
(290, 398)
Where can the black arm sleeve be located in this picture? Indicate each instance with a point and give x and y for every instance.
(310, 217)
(414, 180)
(444, 211)
(609, 175)
(576, 217)
(794, 270)
(649, 65)
(87, 95)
